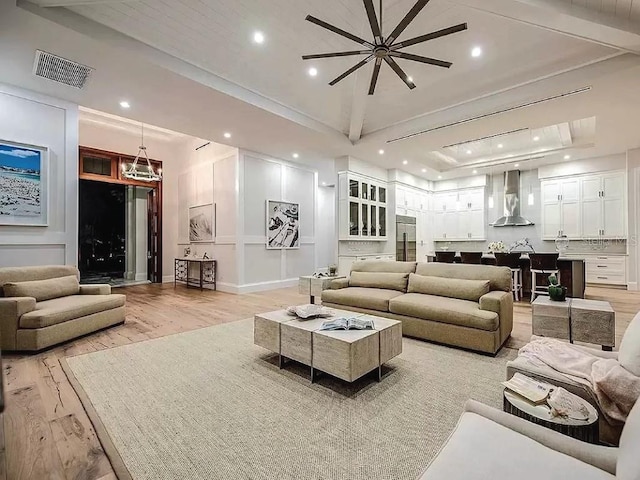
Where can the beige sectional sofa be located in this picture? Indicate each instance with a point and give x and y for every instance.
(468, 306)
(43, 306)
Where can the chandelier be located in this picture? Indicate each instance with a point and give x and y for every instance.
(141, 172)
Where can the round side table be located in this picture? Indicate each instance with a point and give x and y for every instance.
(585, 430)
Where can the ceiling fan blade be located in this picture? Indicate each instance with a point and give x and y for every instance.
(396, 68)
(336, 54)
(430, 36)
(418, 58)
(339, 31)
(351, 70)
(374, 76)
(373, 20)
(404, 23)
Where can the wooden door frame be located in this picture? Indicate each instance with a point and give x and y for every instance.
(116, 177)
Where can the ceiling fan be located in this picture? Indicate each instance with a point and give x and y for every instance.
(385, 48)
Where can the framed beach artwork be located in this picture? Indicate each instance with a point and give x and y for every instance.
(201, 223)
(283, 225)
(23, 184)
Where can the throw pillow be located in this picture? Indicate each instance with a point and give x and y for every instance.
(629, 353)
(448, 287)
(389, 281)
(44, 289)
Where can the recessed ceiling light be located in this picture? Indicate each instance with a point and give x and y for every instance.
(324, 184)
(469, 152)
(439, 177)
(227, 135)
(567, 157)
(424, 170)
(476, 52)
(381, 152)
(313, 71)
(536, 138)
(295, 155)
(404, 162)
(517, 165)
(500, 145)
(125, 104)
(475, 171)
(258, 37)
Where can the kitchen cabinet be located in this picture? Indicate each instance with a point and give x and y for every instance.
(362, 207)
(585, 207)
(460, 215)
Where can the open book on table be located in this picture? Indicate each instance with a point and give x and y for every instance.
(534, 391)
(347, 324)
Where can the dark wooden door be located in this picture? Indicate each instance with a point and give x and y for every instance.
(154, 260)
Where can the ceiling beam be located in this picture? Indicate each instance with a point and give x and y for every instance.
(74, 3)
(358, 104)
(565, 18)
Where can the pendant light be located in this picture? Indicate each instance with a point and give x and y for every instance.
(134, 172)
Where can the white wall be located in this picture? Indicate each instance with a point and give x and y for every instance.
(326, 232)
(27, 117)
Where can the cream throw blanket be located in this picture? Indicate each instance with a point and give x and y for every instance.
(616, 388)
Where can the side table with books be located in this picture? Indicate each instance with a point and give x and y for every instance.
(552, 407)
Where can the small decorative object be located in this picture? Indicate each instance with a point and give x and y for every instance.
(283, 225)
(497, 247)
(201, 223)
(557, 292)
(445, 247)
(187, 252)
(205, 256)
(333, 269)
(521, 244)
(562, 244)
(24, 172)
(309, 311)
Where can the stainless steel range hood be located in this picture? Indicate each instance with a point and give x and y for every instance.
(511, 216)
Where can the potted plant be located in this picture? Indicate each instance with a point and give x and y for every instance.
(497, 247)
(557, 292)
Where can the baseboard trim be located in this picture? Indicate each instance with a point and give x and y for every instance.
(633, 286)
(142, 276)
(247, 288)
(167, 279)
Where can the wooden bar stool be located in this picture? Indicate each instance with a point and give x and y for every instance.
(542, 263)
(445, 257)
(474, 258)
(512, 260)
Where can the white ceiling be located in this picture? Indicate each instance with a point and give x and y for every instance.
(624, 9)
(190, 66)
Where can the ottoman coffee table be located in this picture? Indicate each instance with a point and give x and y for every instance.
(345, 354)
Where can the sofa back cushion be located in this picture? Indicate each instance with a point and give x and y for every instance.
(499, 277)
(629, 353)
(384, 266)
(385, 280)
(448, 287)
(628, 465)
(44, 289)
(26, 274)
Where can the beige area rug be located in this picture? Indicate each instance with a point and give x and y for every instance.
(208, 404)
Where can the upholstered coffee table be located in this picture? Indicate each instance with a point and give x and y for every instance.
(347, 355)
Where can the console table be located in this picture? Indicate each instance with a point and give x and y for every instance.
(206, 272)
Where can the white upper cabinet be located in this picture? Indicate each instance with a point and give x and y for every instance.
(362, 207)
(583, 207)
(460, 215)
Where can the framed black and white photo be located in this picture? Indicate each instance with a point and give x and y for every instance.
(24, 184)
(201, 223)
(283, 225)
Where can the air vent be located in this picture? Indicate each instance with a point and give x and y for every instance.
(498, 112)
(61, 70)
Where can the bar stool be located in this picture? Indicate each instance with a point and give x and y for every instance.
(542, 263)
(512, 260)
(445, 257)
(471, 257)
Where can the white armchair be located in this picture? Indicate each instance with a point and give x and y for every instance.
(628, 357)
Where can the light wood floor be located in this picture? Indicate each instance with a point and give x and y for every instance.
(49, 436)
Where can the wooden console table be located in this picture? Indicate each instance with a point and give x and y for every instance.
(206, 272)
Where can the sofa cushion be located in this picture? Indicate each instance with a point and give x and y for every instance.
(629, 352)
(58, 310)
(25, 274)
(389, 281)
(445, 310)
(370, 298)
(499, 277)
(448, 287)
(43, 289)
(628, 466)
(482, 449)
(383, 266)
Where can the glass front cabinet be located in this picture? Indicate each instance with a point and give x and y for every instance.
(362, 207)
